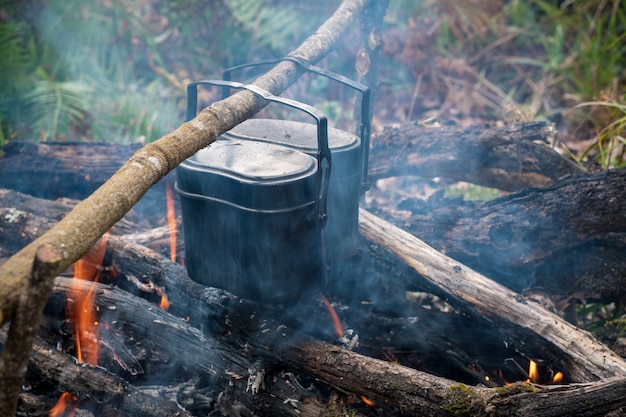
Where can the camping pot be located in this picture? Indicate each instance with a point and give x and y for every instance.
(253, 212)
(348, 179)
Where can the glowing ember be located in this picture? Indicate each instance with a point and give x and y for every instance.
(171, 219)
(333, 316)
(367, 401)
(81, 311)
(66, 406)
(557, 378)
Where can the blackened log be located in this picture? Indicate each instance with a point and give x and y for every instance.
(67, 169)
(95, 384)
(584, 357)
(506, 157)
(413, 392)
(145, 327)
(207, 308)
(568, 238)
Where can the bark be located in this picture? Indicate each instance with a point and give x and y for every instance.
(24, 327)
(583, 357)
(95, 385)
(413, 392)
(567, 238)
(507, 158)
(90, 219)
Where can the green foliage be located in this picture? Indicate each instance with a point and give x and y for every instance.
(542, 58)
(53, 107)
(116, 71)
(471, 192)
(611, 139)
(273, 25)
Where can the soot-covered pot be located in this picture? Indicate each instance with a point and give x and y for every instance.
(253, 211)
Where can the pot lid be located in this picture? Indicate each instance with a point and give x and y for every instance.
(302, 136)
(250, 174)
(253, 161)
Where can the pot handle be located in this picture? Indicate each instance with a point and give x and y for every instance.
(323, 151)
(365, 125)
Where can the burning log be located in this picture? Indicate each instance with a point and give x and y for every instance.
(586, 359)
(157, 272)
(321, 360)
(95, 385)
(414, 392)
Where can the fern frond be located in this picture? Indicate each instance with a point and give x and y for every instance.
(53, 106)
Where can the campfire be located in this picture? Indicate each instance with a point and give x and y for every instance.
(213, 351)
(394, 326)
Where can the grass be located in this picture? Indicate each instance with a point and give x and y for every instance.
(537, 59)
(610, 143)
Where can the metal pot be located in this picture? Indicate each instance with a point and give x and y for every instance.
(253, 211)
(348, 179)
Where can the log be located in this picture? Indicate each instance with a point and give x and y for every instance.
(532, 238)
(568, 238)
(149, 270)
(95, 384)
(406, 390)
(508, 158)
(584, 357)
(205, 307)
(153, 330)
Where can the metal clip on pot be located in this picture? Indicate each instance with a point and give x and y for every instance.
(364, 128)
(323, 152)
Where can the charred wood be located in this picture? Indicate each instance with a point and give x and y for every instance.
(508, 158)
(147, 270)
(567, 238)
(585, 358)
(94, 385)
(227, 361)
(413, 392)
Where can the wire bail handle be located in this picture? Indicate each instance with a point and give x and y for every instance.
(323, 152)
(365, 125)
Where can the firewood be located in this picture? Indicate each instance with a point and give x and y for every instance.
(190, 299)
(95, 384)
(413, 392)
(510, 157)
(581, 354)
(567, 238)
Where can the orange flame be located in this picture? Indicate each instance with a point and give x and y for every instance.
(66, 406)
(533, 374)
(367, 401)
(171, 219)
(87, 268)
(164, 303)
(333, 316)
(558, 377)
